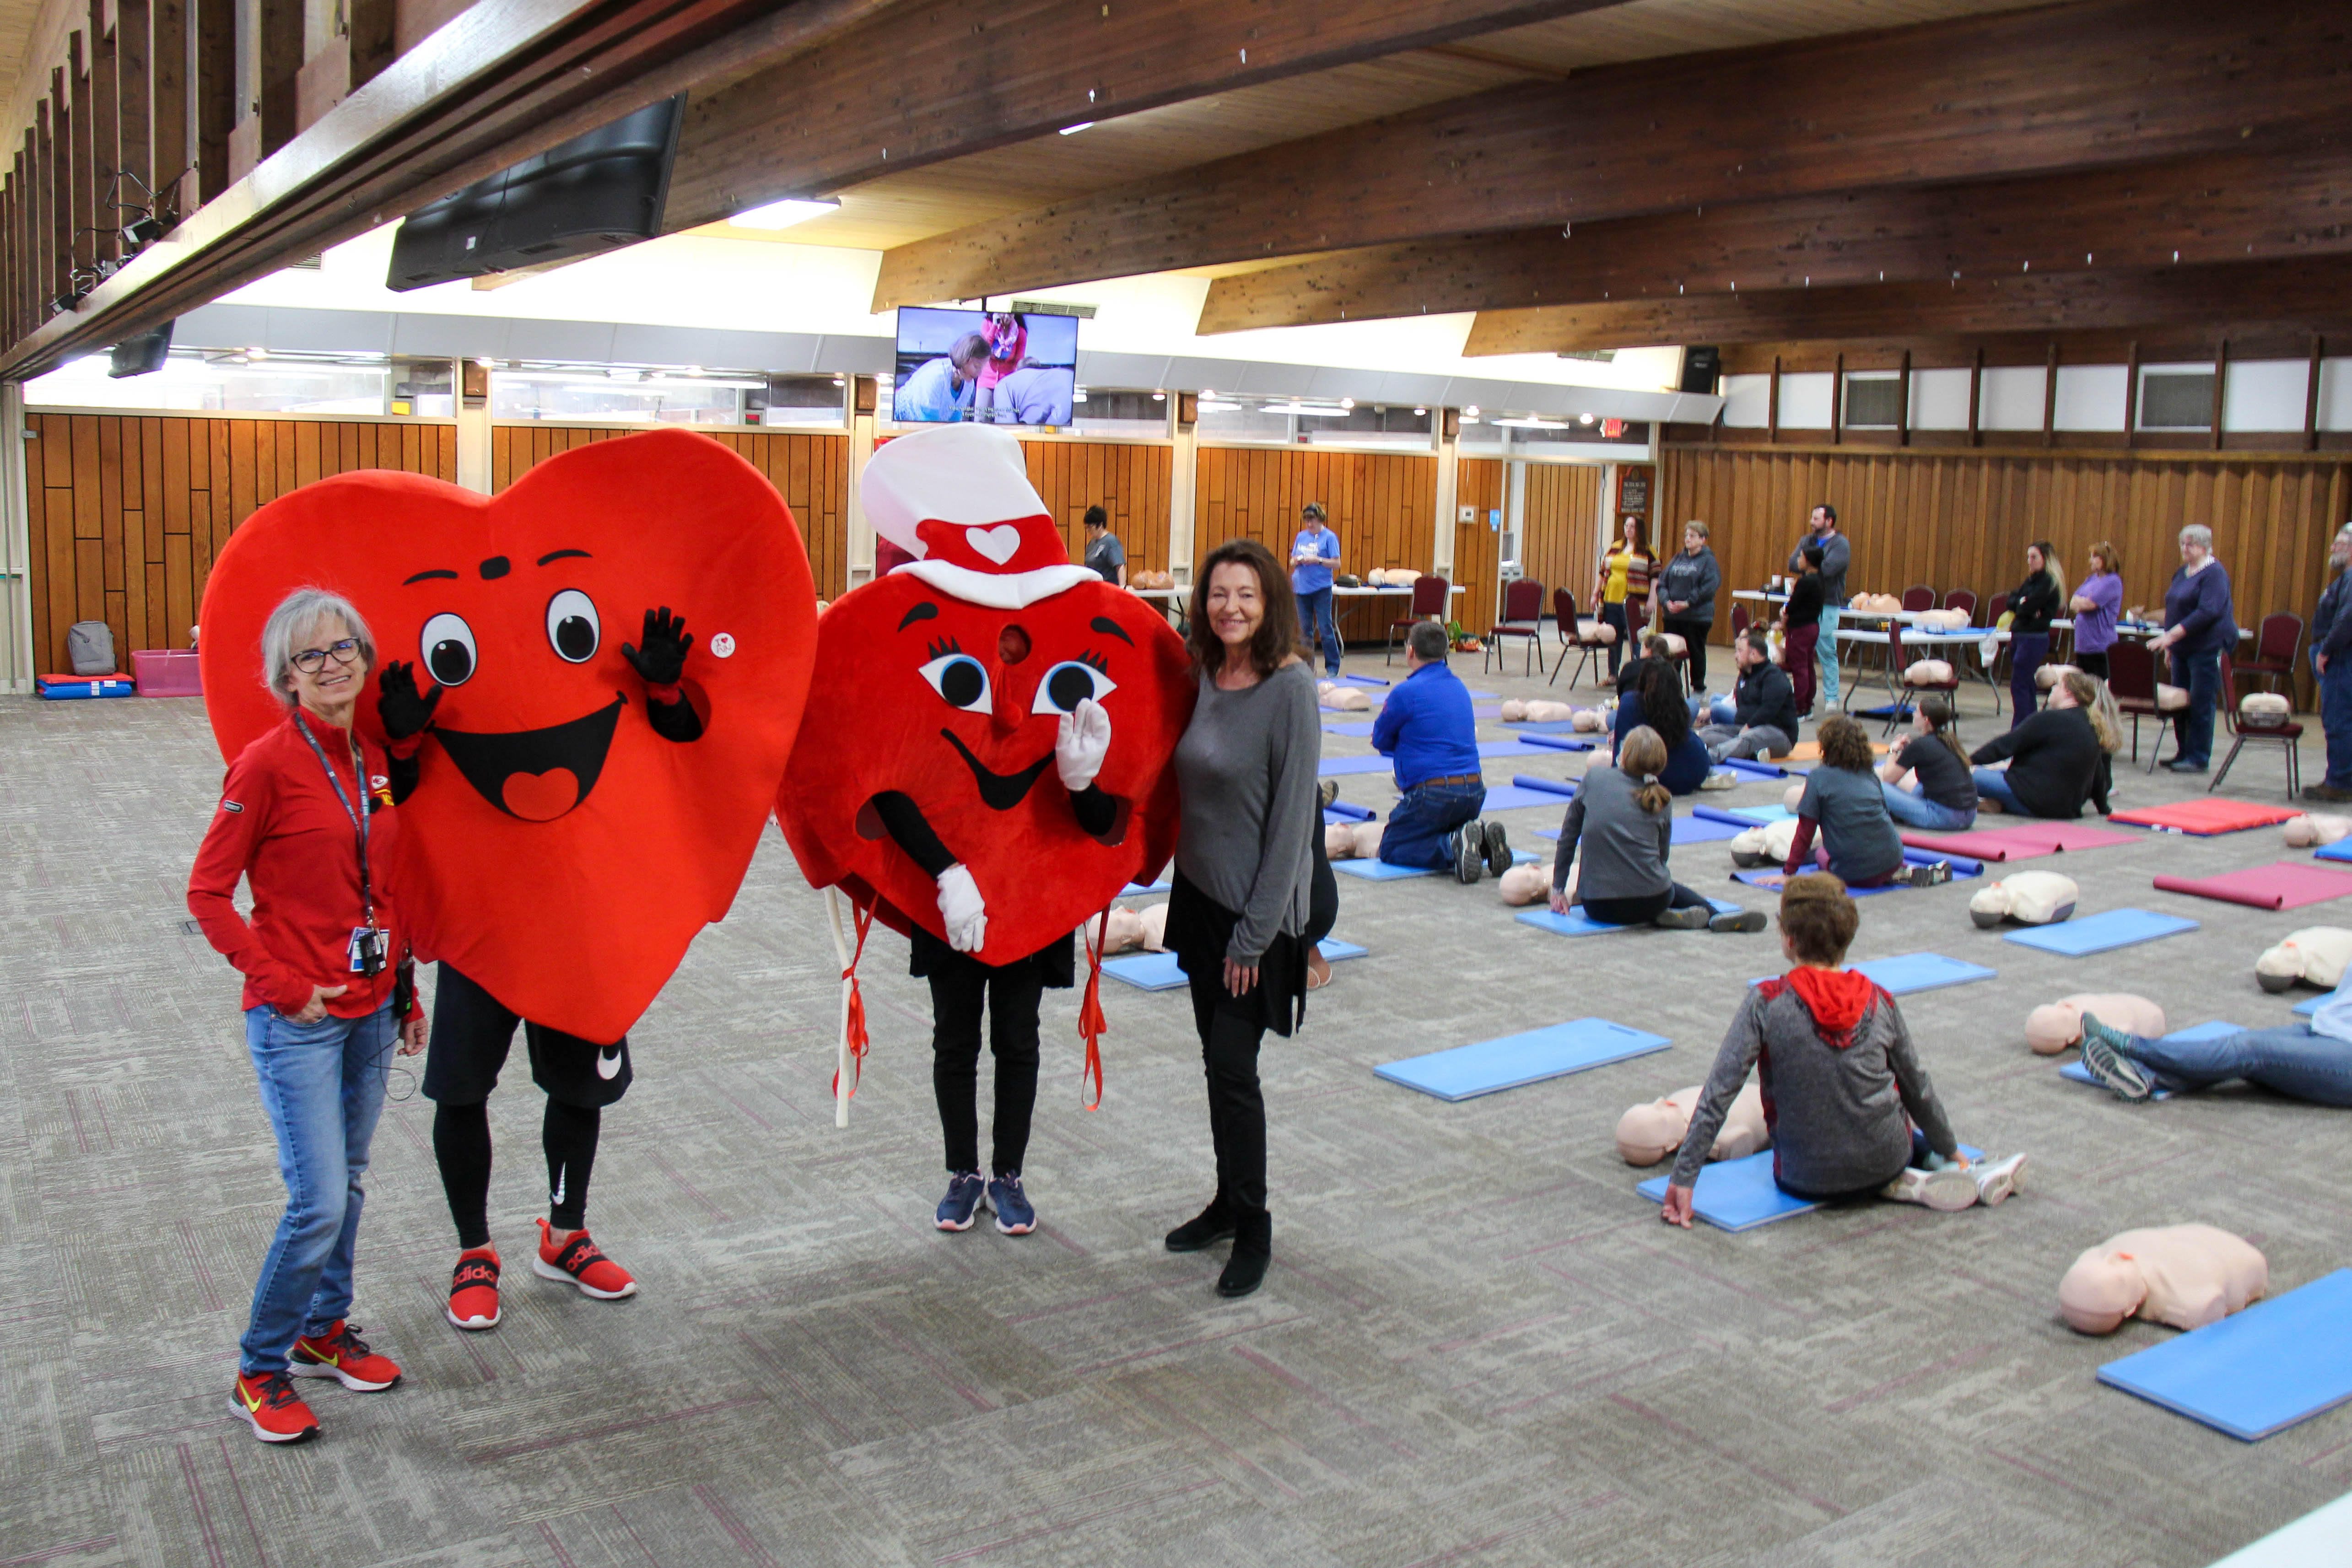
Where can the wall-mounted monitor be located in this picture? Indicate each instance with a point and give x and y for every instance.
(993, 367)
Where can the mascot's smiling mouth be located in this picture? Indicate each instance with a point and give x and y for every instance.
(998, 791)
(536, 774)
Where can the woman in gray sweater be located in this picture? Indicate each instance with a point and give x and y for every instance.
(1238, 913)
(1622, 822)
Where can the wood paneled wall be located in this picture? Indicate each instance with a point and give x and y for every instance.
(1963, 519)
(810, 471)
(128, 510)
(1560, 538)
(1128, 481)
(1479, 483)
(1380, 506)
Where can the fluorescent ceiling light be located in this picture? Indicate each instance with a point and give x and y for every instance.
(783, 214)
(1532, 424)
(1081, 125)
(1304, 411)
(1217, 405)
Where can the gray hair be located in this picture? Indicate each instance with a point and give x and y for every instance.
(1696, 526)
(295, 615)
(2200, 536)
(1428, 642)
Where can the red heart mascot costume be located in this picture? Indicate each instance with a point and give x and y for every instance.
(984, 763)
(574, 805)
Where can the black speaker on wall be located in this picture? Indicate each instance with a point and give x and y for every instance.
(1702, 364)
(142, 355)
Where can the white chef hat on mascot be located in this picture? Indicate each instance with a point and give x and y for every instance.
(958, 499)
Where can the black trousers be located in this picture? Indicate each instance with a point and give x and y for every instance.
(2092, 663)
(1694, 636)
(1641, 911)
(1229, 1042)
(961, 984)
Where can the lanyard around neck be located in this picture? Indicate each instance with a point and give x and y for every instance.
(359, 817)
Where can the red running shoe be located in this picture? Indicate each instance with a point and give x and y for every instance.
(341, 1355)
(579, 1262)
(272, 1408)
(474, 1289)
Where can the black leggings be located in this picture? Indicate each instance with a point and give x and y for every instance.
(2094, 664)
(461, 1146)
(1694, 636)
(959, 985)
(1641, 911)
(1229, 1042)
(1323, 892)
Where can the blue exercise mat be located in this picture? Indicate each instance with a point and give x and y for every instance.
(1563, 788)
(2341, 849)
(1158, 971)
(1342, 767)
(1765, 877)
(1138, 889)
(1735, 1195)
(1908, 972)
(1759, 816)
(1575, 923)
(2214, 1029)
(1335, 951)
(1717, 814)
(1515, 747)
(1381, 871)
(2303, 1010)
(1342, 811)
(1512, 797)
(1754, 769)
(1362, 731)
(1558, 742)
(1540, 726)
(1469, 1071)
(1697, 830)
(2110, 928)
(2277, 1362)
(1359, 680)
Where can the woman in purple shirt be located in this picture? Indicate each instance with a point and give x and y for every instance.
(2098, 600)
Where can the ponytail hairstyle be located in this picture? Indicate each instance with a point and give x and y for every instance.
(1643, 758)
(1938, 711)
(2098, 705)
(2050, 564)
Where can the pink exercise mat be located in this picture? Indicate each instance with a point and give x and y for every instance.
(2288, 884)
(2019, 841)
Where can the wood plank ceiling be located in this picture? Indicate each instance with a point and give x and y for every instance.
(1580, 174)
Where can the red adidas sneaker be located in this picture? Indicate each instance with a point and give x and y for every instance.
(474, 1290)
(341, 1355)
(272, 1408)
(579, 1262)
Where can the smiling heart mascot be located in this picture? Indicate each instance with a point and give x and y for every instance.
(983, 764)
(591, 776)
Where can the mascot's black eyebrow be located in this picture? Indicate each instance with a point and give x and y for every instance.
(559, 554)
(436, 571)
(1110, 628)
(925, 611)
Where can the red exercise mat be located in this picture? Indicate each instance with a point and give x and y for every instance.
(2021, 841)
(2212, 814)
(2288, 884)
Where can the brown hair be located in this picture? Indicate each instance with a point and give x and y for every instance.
(1642, 758)
(2107, 554)
(1819, 918)
(1276, 635)
(1843, 743)
(1938, 711)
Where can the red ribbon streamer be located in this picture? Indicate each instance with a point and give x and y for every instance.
(1092, 1025)
(853, 1024)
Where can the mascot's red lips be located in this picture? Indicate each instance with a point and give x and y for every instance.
(536, 774)
(998, 791)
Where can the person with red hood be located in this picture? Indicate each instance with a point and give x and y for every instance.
(1850, 1107)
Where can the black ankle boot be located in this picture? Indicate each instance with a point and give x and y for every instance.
(1206, 1228)
(1253, 1250)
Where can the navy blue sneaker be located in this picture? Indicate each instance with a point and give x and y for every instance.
(965, 1190)
(1014, 1215)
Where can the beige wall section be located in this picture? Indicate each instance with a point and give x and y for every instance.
(1181, 481)
(16, 671)
(861, 447)
(1442, 516)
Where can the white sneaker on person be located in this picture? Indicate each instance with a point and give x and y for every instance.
(1945, 1191)
(1997, 1179)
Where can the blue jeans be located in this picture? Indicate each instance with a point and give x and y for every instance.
(322, 1087)
(2027, 653)
(1825, 648)
(1322, 630)
(1994, 783)
(1910, 807)
(1416, 832)
(2291, 1060)
(1721, 710)
(2335, 719)
(2192, 727)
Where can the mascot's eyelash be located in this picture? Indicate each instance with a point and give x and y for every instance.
(1090, 657)
(945, 645)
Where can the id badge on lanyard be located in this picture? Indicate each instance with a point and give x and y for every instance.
(370, 948)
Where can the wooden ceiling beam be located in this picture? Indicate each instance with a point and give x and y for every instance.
(943, 78)
(2093, 85)
(2157, 345)
(2185, 212)
(2310, 295)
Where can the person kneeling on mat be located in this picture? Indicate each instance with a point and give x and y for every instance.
(1844, 801)
(1427, 729)
(1850, 1107)
(1622, 817)
(2303, 1062)
(1763, 706)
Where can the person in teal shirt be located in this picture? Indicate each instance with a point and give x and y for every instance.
(1313, 554)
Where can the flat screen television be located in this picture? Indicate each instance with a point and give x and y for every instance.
(995, 368)
(597, 192)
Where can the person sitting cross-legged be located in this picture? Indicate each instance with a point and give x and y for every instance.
(1847, 806)
(1620, 826)
(1850, 1107)
(1426, 727)
(1942, 795)
(1764, 706)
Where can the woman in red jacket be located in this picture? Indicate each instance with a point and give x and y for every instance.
(306, 819)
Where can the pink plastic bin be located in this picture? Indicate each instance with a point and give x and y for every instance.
(167, 673)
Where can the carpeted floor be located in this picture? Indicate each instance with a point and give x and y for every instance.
(1477, 1345)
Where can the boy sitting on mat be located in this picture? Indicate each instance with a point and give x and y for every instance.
(1850, 1108)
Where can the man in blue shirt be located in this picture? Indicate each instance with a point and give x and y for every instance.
(1313, 554)
(1426, 728)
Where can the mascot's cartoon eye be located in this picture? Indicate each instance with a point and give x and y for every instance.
(1070, 683)
(448, 644)
(959, 678)
(572, 626)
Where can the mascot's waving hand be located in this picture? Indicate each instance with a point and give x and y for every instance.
(984, 763)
